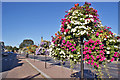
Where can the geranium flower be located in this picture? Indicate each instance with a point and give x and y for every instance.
(112, 60)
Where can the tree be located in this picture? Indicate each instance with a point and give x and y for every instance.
(26, 42)
(9, 48)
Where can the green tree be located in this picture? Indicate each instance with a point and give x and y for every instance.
(26, 42)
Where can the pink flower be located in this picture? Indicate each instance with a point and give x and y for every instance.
(95, 64)
(88, 57)
(67, 42)
(116, 52)
(92, 60)
(53, 41)
(97, 33)
(115, 55)
(86, 48)
(91, 63)
(84, 52)
(65, 45)
(93, 47)
(55, 44)
(97, 50)
(112, 60)
(89, 51)
(63, 41)
(95, 44)
(94, 20)
(72, 47)
(97, 57)
(88, 62)
(66, 30)
(72, 50)
(101, 51)
(92, 56)
(104, 29)
(69, 47)
(70, 44)
(74, 44)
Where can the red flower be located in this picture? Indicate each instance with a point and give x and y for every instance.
(101, 31)
(109, 27)
(60, 37)
(55, 34)
(76, 5)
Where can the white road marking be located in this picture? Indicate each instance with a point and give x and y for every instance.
(46, 76)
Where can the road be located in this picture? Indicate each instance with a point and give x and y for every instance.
(113, 68)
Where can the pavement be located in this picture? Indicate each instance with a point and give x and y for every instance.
(18, 68)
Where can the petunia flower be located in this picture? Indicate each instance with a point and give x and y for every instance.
(97, 33)
(95, 64)
(63, 41)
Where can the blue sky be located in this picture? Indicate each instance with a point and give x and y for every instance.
(31, 20)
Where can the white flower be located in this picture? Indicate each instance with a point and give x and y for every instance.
(73, 13)
(110, 40)
(73, 30)
(87, 21)
(82, 19)
(73, 33)
(77, 22)
(71, 56)
(107, 36)
(116, 46)
(86, 15)
(108, 48)
(72, 22)
(82, 27)
(83, 32)
(69, 10)
(90, 15)
(108, 52)
(74, 59)
(50, 49)
(68, 26)
(118, 40)
(92, 20)
(75, 17)
(64, 32)
(105, 39)
(81, 14)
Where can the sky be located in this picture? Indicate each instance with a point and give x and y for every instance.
(33, 20)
